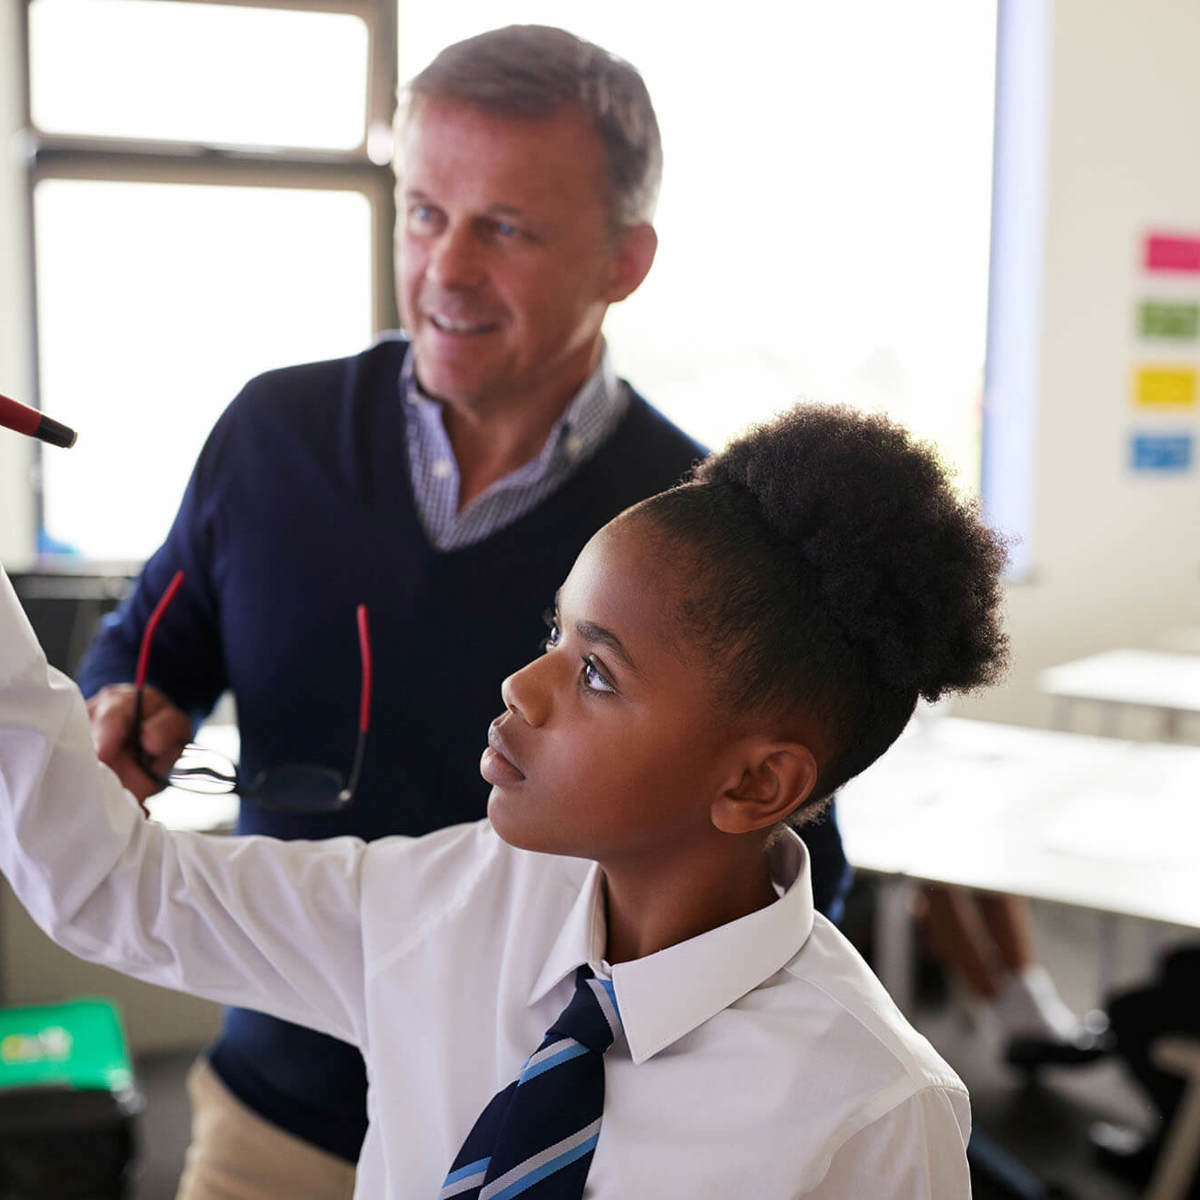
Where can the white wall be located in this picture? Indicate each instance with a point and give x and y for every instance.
(1116, 555)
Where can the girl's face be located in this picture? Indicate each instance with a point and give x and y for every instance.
(611, 747)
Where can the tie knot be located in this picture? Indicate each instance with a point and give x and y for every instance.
(591, 1018)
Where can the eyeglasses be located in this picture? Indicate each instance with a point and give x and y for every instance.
(289, 787)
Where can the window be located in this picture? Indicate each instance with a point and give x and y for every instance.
(824, 220)
(211, 198)
(218, 74)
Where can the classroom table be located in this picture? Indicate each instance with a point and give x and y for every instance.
(1161, 680)
(1093, 822)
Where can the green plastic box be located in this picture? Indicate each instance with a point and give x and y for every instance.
(78, 1045)
(67, 1103)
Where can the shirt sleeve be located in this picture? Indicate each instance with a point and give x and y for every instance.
(915, 1151)
(256, 922)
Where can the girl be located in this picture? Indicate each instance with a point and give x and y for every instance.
(720, 659)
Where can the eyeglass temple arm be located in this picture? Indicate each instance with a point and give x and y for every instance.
(142, 759)
(139, 679)
(364, 706)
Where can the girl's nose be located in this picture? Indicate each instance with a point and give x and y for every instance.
(527, 692)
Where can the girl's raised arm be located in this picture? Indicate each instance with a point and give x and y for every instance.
(255, 922)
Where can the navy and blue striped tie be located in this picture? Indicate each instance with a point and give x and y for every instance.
(536, 1137)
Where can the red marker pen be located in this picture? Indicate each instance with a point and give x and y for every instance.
(26, 420)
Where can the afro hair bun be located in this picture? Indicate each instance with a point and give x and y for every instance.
(902, 563)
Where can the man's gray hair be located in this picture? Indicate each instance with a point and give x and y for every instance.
(533, 71)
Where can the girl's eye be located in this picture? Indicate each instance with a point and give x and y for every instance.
(594, 679)
(553, 636)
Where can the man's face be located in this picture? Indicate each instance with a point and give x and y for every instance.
(506, 261)
(611, 745)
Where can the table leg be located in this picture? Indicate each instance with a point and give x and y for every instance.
(1061, 716)
(894, 942)
(1106, 954)
(1110, 719)
(1175, 1170)
(1170, 725)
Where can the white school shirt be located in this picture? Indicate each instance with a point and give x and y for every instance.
(760, 1060)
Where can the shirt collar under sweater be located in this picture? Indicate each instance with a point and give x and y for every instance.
(591, 415)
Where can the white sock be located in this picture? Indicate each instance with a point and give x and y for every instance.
(1029, 1006)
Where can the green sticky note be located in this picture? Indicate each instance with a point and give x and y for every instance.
(1162, 320)
(79, 1044)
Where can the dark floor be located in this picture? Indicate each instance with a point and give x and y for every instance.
(162, 1126)
(1042, 1125)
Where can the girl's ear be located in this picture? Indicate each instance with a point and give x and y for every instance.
(778, 778)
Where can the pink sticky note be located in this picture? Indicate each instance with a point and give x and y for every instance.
(1171, 252)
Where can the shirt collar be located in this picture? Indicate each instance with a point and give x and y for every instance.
(587, 419)
(666, 995)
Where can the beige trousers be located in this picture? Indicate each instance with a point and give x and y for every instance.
(236, 1155)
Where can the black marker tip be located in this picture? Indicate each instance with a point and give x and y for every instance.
(55, 432)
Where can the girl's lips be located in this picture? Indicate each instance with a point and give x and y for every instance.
(496, 765)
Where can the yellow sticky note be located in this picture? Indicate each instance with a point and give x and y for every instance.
(1164, 387)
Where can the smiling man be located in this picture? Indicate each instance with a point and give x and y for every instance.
(504, 299)
(447, 479)
(512, 245)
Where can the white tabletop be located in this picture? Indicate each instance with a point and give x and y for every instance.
(1150, 678)
(1098, 823)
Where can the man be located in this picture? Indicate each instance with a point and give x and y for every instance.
(447, 482)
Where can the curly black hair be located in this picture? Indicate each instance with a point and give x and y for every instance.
(832, 569)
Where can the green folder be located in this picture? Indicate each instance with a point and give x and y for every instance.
(78, 1045)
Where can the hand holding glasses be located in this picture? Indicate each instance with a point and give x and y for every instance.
(288, 787)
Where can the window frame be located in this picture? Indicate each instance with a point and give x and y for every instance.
(143, 160)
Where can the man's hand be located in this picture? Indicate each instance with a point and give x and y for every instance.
(165, 731)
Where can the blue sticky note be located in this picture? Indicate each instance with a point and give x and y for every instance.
(1161, 451)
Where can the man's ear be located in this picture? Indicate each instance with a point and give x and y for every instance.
(776, 780)
(632, 256)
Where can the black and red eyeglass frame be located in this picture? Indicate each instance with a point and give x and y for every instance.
(288, 787)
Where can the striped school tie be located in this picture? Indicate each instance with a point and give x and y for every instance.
(537, 1136)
